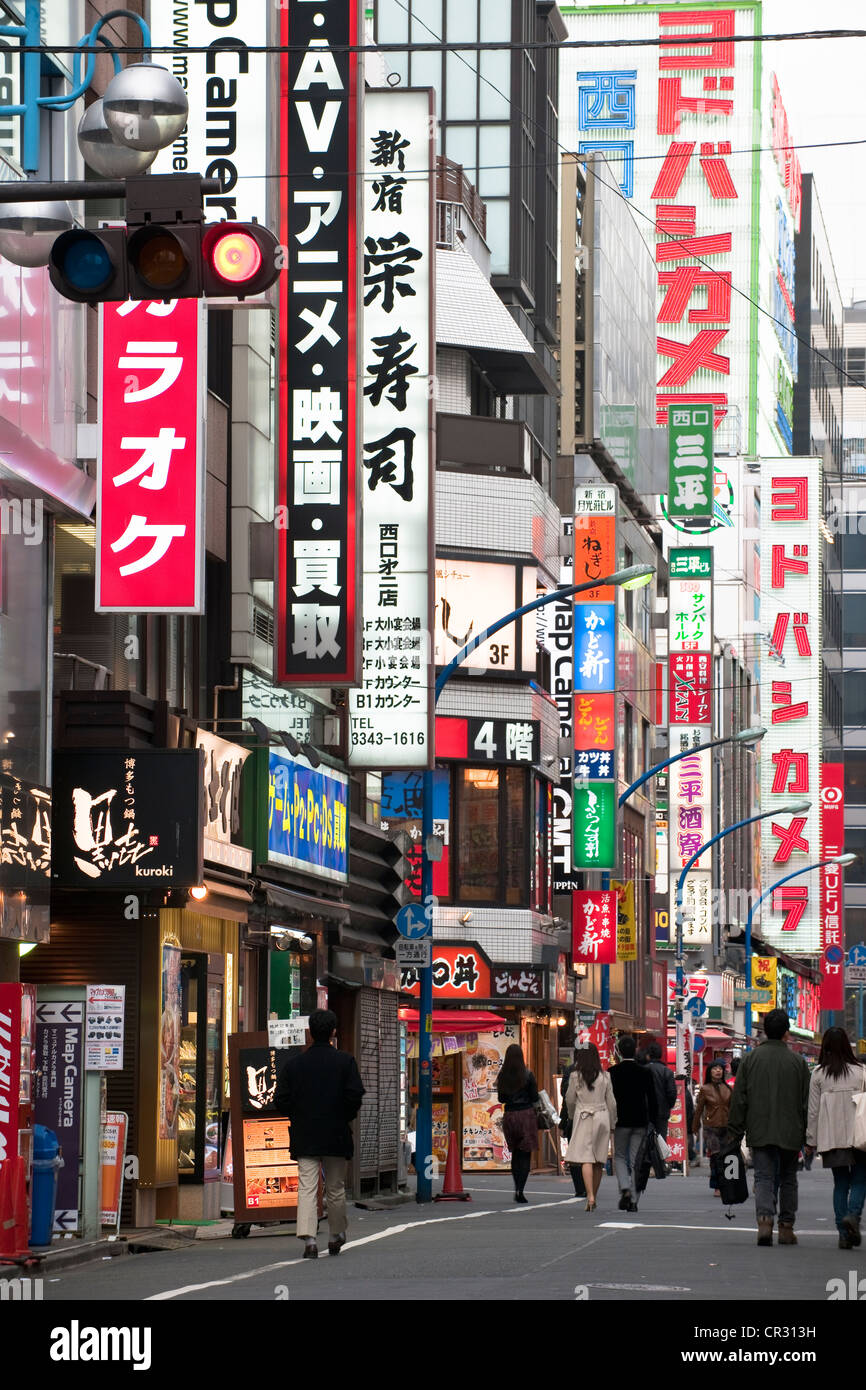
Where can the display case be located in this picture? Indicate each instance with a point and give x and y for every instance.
(202, 984)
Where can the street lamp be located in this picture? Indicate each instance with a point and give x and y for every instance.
(631, 576)
(840, 859)
(791, 808)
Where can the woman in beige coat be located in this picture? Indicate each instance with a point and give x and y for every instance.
(837, 1079)
(592, 1111)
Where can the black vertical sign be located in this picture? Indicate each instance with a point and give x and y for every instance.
(316, 514)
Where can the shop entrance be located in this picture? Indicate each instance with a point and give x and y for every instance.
(202, 985)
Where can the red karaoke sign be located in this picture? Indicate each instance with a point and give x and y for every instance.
(832, 909)
(150, 508)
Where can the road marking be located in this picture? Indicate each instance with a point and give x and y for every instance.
(672, 1226)
(644, 1288)
(354, 1244)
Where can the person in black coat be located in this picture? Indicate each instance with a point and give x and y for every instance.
(666, 1089)
(320, 1090)
(636, 1107)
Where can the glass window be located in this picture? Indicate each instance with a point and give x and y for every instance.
(854, 620)
(494, 160)
(495, 66)
(490, 859)
(462, 21)
(498, 235)
(23, 608)
(853, 543)
(462, 89)
(855, 778)
(855, 842)
(460, 146)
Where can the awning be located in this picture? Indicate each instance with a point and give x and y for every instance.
(287, 900)
(455, 1020)
(470, 315)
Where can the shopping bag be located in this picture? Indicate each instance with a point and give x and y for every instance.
(664, 1147)
(860, 1121)
(731, 1173)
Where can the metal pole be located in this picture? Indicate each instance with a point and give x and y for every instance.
(78, 190)
(859, 1012)
(753, 907)
(30, 65)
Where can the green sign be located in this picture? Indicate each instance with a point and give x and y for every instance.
(595, 825)
(692, 562)
(690, 458)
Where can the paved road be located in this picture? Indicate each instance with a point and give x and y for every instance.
(679, 1247)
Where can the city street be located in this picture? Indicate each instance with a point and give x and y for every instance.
(678, 1248)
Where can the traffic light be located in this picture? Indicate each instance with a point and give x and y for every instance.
(165, 251)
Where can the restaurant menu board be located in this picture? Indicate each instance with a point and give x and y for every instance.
(103, 1034)
(484, 1145)
(265, 1175)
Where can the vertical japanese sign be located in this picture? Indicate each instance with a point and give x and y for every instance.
(594, 926)
(390, 717)
(595, 667)
(626, 921)
(559, 641)
(690, 668)
(791, 698)
(151, 464)
(669, 118)
(57, 1095)
(690, 463)
(317, 540)
(832, 886)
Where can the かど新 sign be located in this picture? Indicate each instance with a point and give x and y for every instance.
(150, 488)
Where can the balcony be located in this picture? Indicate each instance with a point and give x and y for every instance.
(481, 444)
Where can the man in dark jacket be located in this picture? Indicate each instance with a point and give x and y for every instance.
(321, 1092)
(666, 1088)
(770, 1106)
(635, 1096)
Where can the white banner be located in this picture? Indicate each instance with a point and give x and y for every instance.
(390, 723)
(790, 751)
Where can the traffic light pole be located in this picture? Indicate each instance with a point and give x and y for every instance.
(80, 190)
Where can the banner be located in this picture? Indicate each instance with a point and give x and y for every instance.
(151, 457)
(308, 817)
(626, 921)
(390, 717)
(832, 887)
(599, 1035)
(764, 977)
(791, 588)
(594, 916)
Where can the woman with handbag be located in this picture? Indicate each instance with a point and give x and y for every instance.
(518, 1095)
(713, 1107)
(837, 1081)
(592, 1111)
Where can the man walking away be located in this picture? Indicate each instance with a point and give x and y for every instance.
(666, 1087)
(321, 1092)
(770, 1106)
(635, 1095)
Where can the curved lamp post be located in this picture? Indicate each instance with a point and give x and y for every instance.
(634, 575)
(790, 808)
(840, 859)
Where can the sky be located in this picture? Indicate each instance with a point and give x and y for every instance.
(823, 84)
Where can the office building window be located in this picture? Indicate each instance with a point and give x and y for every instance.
(490, 807)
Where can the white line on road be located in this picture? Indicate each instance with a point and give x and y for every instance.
(672, 1226)
(353, 1245)
(644, 1288)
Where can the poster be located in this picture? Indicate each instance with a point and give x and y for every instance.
(441, 1131)
(103, 1035)
(484, 1144)
(626, 921)
(270, 1176)
(169, 1044)
(112, 1154)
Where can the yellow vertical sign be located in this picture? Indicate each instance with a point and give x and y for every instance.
(764, 977)
(626, 922)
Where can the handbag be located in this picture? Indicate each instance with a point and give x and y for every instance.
(544, 1112)
(860, 1121)
(734, 1189)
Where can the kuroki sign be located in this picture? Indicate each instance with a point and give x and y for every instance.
(127, 818)
(151, 488)
(791, 699)
(318, 404)
(390, 717)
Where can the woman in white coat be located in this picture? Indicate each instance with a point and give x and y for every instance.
(592, 1111)
(837, 1079)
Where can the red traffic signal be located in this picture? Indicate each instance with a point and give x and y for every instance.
(239, 259)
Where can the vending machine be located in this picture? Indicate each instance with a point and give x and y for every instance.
(17, 1055)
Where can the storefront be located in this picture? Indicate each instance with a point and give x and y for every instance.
(480, 1008)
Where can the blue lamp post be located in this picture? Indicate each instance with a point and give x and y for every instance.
(634, 574)
(841, 859)
(791, 808)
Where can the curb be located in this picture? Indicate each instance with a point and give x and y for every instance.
(67, 1256)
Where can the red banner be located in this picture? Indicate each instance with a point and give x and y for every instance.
(690, 693)
(832, 903)
(150, 509)
(599, 1035)
(594, 914)
(678, 1139)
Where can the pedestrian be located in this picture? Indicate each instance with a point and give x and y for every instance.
(666, 1088)
(518, 1093)
(713, 1109)
(770, 1106)
(321, 1092)
(565, 1134)
(635, 1095)
(592, 1111)
(838, 1077)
